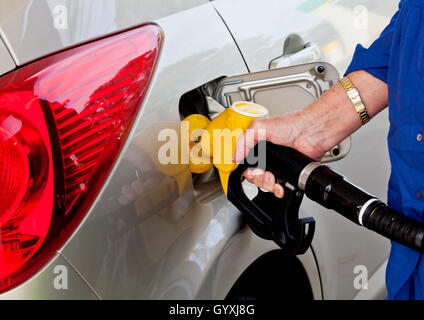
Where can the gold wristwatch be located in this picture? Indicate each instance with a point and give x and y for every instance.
(354, 96)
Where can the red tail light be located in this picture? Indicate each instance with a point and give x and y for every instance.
(63, 120)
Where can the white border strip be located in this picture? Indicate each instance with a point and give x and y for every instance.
(364, 207)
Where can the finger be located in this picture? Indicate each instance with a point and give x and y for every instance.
(152, 183)
(128, 191)
(269, 181)
(248, 140)
(258, 177)
(248, 175)
(241, 150)
(123, 199)
(137, 186)
(278, 191)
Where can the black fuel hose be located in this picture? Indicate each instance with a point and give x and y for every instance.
(331, 190)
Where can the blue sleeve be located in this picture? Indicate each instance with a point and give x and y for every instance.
(375, 59)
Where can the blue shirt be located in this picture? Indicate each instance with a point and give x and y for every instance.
(397, 58)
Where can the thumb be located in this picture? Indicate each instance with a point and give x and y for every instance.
(249, 139)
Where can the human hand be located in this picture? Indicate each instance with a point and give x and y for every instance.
(290, 129)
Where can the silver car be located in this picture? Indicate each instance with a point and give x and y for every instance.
(87, 88)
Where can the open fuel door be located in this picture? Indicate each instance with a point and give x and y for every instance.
(283, 90)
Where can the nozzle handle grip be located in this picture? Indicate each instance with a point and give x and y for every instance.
(269, 217)
(284, 162)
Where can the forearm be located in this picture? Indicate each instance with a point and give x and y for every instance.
(332, 118)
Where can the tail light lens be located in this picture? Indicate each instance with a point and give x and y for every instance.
(63, 120)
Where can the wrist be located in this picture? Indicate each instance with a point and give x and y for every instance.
(312, 138)
(328, 121)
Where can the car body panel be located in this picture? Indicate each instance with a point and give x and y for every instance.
(161, 242)
(65, 23)
(6, 61)
(336, 26)
(119, 248)
(241, 252)
(57, 280)
(374, 291)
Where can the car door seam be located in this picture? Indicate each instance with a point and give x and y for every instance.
(81, 276)
(3, 39)
(319, 271)
(234, 39)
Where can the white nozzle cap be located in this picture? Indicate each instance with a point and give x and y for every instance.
(241, 106)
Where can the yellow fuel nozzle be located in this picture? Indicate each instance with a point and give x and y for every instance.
(214, 142)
